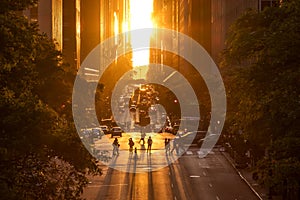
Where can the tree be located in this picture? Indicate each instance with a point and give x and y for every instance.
(261, 70)
(38, 140)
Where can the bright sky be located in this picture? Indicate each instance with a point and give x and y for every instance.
(140, 17)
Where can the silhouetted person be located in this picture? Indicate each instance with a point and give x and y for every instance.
(143, 135)
(167, 145)
(149, 142)
(135, 153)
(175, 145)
(131, 144)
(116, 147)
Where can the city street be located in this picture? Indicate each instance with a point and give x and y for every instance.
(212, 177)
(147, 176)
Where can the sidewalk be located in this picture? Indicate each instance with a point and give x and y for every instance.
(246, 175)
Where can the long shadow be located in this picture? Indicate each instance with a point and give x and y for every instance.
(127, 179)
(103, 190)
(150, 180)
(133, 177)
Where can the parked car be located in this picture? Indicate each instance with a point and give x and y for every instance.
(97, 132)
(116, 131)
(105, 129)
(132, 108)
(91, 133)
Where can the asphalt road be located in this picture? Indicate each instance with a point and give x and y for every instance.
(212, 177)
(148, 176)
(151, 185)
(189, 178)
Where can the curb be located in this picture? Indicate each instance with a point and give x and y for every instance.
(242, 177)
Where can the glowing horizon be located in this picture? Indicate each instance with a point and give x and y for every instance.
(140, 17)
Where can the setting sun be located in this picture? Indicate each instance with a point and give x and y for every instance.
(140, 17)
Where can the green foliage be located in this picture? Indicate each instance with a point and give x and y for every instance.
(261, 70)
(38, 139)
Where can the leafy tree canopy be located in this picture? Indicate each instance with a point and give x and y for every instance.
(261, 70)
(38, 140)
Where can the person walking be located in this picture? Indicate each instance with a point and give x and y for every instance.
(149, 142)
(116, 146)
(167, 145)
(135, 153)
(175, 145)
(143, 135)
(131, 144)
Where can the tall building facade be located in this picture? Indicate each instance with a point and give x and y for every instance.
(78, 26)
(206, 21)
(71, 32)
(50, 19)
(60, 20)
(223, 14)
(267, 3)
(100, 20)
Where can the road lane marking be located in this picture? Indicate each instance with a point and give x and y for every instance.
(203, 165)
(217, 198)
(210, 185)
(94, 186)
(204, 173)
(194, 176)
(189, 152)
(112, 185)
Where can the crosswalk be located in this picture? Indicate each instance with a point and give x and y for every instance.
(212, 160)
(196, 152)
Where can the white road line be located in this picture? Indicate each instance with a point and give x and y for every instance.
(204, 173)
(189, 152)
(210, 185)
(94, 186)
(217, 198)
(203, 165)
(111, 185)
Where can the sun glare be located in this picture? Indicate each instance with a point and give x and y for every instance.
(140, 17)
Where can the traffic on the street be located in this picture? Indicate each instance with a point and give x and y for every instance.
(146, 162)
